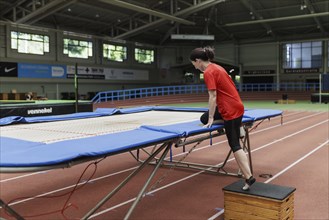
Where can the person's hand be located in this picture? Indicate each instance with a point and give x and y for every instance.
(209, 124)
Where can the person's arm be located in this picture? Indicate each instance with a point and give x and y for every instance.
(212, 107)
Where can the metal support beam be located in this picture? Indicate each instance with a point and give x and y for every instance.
(164, 147)
(229, 35)
(279, 19)
(317, 21)
(13, 5)
(44, 11)
(208, 19)
(258, 16)
(146, 11)
(38, 11)
(53, 10)
(11, 211)
(187, 11)
(169, 32)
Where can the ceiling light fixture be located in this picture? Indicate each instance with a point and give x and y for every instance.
(192, 37)
(302, 7)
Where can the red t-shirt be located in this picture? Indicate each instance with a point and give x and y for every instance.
(229, 102)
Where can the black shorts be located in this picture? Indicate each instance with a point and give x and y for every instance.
(232, 128)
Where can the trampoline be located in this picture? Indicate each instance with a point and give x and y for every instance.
(31, 144)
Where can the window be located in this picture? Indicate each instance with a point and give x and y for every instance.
(29, 43)
(78, 48)
(144, 56)
(115, 52)
(237, 79)
(201, 76)
(302, 55)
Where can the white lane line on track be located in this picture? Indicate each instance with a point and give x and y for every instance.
(21, 176)
(68, 187)
(221, 212)
(297, 161)
(254, 132)
(290, 135)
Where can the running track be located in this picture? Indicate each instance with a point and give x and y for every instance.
(295, 153)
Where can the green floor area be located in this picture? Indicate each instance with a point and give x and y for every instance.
(298, 106)
(38, 102)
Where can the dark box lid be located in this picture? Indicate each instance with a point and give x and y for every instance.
(261, 189)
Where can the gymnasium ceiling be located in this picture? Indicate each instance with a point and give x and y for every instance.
(154, 21)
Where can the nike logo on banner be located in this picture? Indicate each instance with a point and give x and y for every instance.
(9, 70)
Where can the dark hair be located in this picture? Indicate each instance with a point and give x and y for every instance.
(205, 54)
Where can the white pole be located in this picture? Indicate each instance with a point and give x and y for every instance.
(57, 93)
(320, 87)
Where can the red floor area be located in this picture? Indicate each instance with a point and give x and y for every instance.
(295, 153)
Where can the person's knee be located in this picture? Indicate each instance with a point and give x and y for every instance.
(235, 148)
(204, 118)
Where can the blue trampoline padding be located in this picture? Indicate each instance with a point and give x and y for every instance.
(97, 113)
(259, 114)
(11, 120)
(16, 145)
(19, 153)
(31, 154)
(184, 129)
(173, 108)
(256, 114)
(112, 111)
(18, 119)
(50, 118)
(195, 127)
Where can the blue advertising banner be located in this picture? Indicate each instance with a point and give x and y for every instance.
(28, 70)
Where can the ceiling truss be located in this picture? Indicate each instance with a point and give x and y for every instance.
(153, 21)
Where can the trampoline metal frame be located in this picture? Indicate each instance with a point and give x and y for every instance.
(161, 161)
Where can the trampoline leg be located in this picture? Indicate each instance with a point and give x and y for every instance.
(141, 193)
(125, 181)
(10, 210)
(225, 161)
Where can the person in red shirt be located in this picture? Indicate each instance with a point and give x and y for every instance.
(224, 104)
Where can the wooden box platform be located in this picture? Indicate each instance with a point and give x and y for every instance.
(262, 201)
